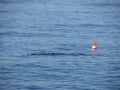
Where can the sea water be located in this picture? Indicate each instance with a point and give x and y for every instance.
(46, 45)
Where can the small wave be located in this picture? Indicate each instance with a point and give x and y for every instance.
(61, 25)
(57, 53)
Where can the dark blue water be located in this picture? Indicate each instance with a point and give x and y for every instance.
(46, 44)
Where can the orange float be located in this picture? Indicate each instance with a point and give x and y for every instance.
(94, 46)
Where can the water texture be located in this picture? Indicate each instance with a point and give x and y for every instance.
(46, 45)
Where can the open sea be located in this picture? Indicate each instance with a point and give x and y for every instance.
(46, 44)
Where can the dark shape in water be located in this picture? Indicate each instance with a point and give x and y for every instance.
(57, 53)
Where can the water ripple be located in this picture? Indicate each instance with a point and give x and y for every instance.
(58, 53)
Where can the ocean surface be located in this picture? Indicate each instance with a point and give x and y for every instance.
(46, 44)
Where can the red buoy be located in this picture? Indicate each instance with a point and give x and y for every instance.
(94, 46)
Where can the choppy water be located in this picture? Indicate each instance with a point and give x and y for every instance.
(46, 45)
